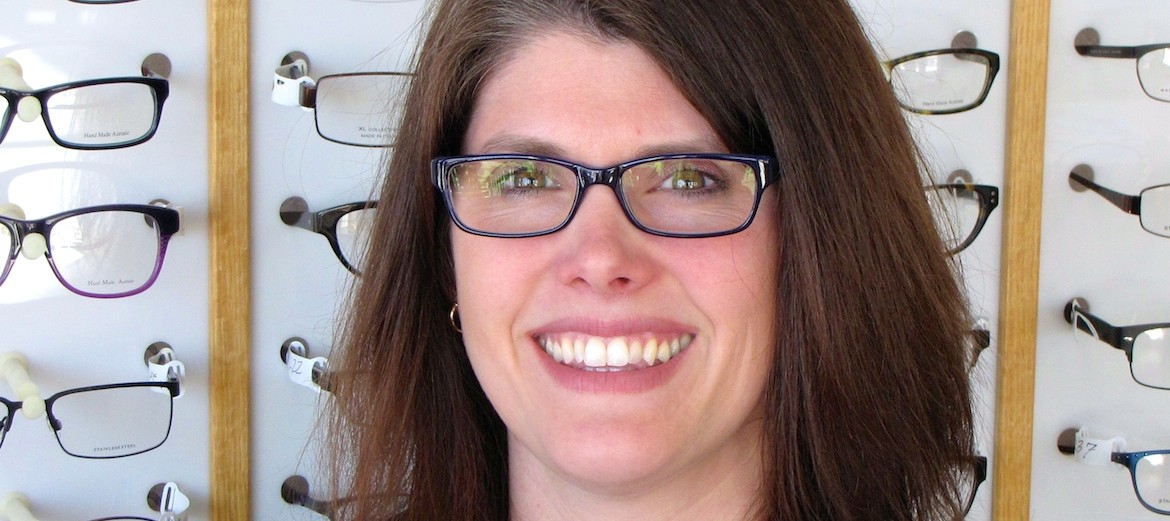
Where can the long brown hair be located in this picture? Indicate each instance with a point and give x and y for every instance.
(868, 403)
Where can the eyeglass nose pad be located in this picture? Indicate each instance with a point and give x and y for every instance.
(33, 246)
(28, 109)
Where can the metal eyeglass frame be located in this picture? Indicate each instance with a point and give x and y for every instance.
(293, 86)
(1131, 204)
(1087, 43)
(992, 70)
(988, 196)
(1119, 337)
(294, 211)
(171, 386)
(1066, 443)
(166, 219)
(766, 169)
(153, 78)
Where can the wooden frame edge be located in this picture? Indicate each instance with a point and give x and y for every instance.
(230, 237)
(1019, 299)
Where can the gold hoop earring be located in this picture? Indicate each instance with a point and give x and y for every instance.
(454, 317)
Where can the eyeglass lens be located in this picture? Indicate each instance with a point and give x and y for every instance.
(112, 422)
(351, 240)
(360, 109)
(1151, 481)
(941, 82)
(676, 195)
(101, 253)
(1150, 360)
(99, 115)
(957, 211)
(1155, 209)
(106, 421)
(1153, 70)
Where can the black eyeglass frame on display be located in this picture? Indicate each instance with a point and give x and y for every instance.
(765, 169)
(989, 58)
(294, 211)
(1119, 337)
(171, 386)
(160, 89)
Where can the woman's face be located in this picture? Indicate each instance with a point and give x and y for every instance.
(600, 283)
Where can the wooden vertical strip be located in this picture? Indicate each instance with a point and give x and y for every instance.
(230, 298)
(1024, 180)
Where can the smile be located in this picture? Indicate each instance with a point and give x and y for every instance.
(591, 353)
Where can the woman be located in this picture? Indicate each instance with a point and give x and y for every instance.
(755, 319)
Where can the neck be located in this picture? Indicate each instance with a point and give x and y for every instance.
(721, 487)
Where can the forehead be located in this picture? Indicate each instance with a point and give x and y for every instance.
(584, 97)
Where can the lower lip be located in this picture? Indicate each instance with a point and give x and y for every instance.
(612, 382)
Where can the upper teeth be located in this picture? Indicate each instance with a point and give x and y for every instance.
(602, 354)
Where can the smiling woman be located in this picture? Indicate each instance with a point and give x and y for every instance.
(753, 318)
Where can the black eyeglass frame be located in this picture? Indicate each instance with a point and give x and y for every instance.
(1127, 459)
(167, 220)
(171, 386)
(980, 464)
(765, 167)
(324, 222)
(160, 88)
(992, 70)
(1131, 204)
(1119, 337)
(988, 202)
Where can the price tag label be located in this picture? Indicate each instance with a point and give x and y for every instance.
(1095, 451)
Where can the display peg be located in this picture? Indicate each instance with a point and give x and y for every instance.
(170, 503)
(295, 491)
(290, 78)
(1084, 171)
(156, 65)
(12, 211)
(964, 40)
(12, 77)
(162, 365)
(14, 369)
(960, 176)
(1087, 37)
(14, 507)
(302, 370)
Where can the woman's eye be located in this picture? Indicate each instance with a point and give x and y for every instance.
(522, 177)
(685, 180)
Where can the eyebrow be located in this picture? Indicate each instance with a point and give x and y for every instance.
(515, 144)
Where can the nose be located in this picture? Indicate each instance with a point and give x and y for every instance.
(603, 251)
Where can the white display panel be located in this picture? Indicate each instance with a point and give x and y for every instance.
(72, 341)
(297, 282)
(1098, 115)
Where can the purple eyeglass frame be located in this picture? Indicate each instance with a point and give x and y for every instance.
(165, 222)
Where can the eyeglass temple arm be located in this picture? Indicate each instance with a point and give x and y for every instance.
(14, 370)
(1106, 51)
(1093, 325)
(1127, 203)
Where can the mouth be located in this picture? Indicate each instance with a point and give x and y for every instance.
(612, 354)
